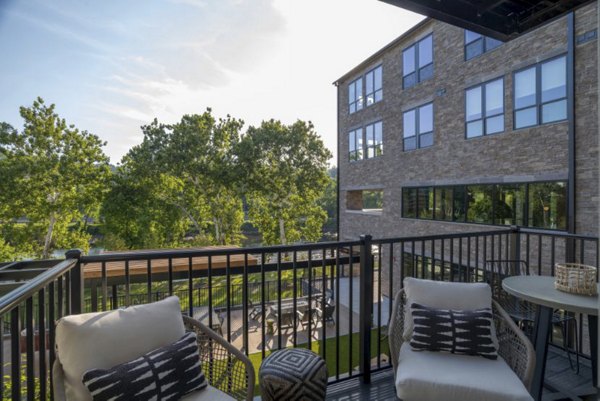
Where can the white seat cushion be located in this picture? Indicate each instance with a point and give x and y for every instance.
(427, 375)
(209, 393)
(103, 340)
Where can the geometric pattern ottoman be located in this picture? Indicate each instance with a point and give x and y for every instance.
(294, 374)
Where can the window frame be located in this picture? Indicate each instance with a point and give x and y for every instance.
(356, 147)
(375, 90)
(417, 71)
(375, 144)
(358, 99)
(494, 193)
(538, 93)
(418, 134)
(484, 46)
(484, 115)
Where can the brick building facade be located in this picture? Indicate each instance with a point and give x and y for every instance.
(446, 131)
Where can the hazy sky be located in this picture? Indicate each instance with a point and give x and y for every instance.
(112, 65)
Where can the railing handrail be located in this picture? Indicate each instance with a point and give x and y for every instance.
(187, 253)
(29, 288)
(441, 236)
(552, 233)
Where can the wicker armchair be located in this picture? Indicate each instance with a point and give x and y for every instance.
(226, 368)
(514, 347)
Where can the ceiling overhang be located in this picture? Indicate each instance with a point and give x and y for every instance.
(500, 19)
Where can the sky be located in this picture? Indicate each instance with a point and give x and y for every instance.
(111, 66)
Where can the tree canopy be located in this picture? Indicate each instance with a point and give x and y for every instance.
(53, 180)
(194, 182)
(284, 170)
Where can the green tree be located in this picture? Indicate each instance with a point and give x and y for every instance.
(284, 170)
(189, 182)
(328, 201)
(53, 179)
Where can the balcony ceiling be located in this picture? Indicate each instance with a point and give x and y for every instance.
(500, 19)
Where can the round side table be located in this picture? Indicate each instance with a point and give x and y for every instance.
(293, 374)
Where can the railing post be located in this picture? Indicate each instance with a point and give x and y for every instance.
(515, 247)
(366, 306)
(77, 291)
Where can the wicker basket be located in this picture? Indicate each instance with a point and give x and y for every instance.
(575, 278)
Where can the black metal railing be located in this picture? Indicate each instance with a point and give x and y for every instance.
(266, 298)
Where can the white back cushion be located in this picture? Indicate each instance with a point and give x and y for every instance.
(442, 294)
(105, 339)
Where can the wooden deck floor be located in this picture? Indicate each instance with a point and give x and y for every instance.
(559, 374)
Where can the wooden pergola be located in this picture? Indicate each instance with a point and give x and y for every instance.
(159, 267)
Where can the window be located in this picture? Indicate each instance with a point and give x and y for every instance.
(418, 127)
(484, 109)
(509, 204)
(535, 204)
(373, 85)
(443, 203)
(364, 200)
(355, 145)
(409, 202)
(374, 133)
(479, 204)
(355, 98)
(425, 203)
(368, 147)
(548, 205)
(477, 44)
(417, 62)
(541, 93)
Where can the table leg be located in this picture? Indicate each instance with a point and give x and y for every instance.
(541, 333)
(593, 330)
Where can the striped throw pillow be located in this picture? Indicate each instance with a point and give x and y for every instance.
(166, 373)
(456, 331)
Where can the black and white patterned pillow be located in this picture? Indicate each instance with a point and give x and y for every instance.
(166, 373)
(456, 331)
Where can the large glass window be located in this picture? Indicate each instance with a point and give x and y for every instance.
(509, 204)
(443, 203)
(536, 204)
(476, 44)
(548, 205)
(374, 134)
(355, 95)
(541, 93)
(484, 106)
(374, 85)
(479, 204)
(425, 203)
(418, 127)
(409, 202)
(417, 62)
(355, 142)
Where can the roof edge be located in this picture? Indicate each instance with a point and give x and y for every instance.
(379, 52)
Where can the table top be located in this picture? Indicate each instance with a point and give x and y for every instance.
(540, 290)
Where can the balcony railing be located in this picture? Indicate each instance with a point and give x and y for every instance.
(265, 298)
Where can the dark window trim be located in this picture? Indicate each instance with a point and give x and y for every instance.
(538, 93)
(484, 116)
(356, 101)
(484, 45)
(351, 152)
(494, 185)
(418, 134)
(372, 70)
(365, 144)
(364, 147)
(418, 69)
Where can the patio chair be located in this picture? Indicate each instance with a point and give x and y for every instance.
(523, 312)
(430, 375)
(107, 339)
(324, 314)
